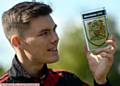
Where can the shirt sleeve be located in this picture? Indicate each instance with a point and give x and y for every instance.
(106, 84)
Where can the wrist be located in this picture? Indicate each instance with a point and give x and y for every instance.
(103, 81)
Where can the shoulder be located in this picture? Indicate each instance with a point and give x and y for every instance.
(61, 73)
(68, 78)
(4, 78)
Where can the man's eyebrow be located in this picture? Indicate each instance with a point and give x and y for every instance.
(45, 29)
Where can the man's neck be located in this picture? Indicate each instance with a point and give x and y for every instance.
(31, 68)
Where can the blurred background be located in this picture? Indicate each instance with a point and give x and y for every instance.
(67, 15)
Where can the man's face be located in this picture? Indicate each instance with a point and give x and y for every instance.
(41, 40)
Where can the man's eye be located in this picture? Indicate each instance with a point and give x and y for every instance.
(44, 33)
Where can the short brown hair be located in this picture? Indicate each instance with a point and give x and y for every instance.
(16, 20)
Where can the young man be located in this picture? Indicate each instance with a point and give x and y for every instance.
(31, 31)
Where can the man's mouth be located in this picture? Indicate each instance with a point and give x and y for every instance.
(52, 49)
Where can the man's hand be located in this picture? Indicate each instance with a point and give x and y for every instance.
(101, 62)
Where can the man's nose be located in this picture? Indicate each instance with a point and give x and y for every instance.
(55, 38)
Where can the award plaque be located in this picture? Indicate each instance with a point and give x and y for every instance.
(95, 29)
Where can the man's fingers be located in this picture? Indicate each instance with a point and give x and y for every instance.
(112, 45)
(106, 55)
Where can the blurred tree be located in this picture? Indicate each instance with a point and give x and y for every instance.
(115, 71)
(1, 70)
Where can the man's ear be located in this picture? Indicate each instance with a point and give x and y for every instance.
(15, 41)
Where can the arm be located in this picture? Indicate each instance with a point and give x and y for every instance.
(101, 62)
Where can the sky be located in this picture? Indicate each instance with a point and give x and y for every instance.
(63, 12)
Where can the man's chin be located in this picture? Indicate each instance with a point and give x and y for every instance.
(54, 59)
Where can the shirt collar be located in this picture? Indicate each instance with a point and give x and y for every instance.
(18, 71)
